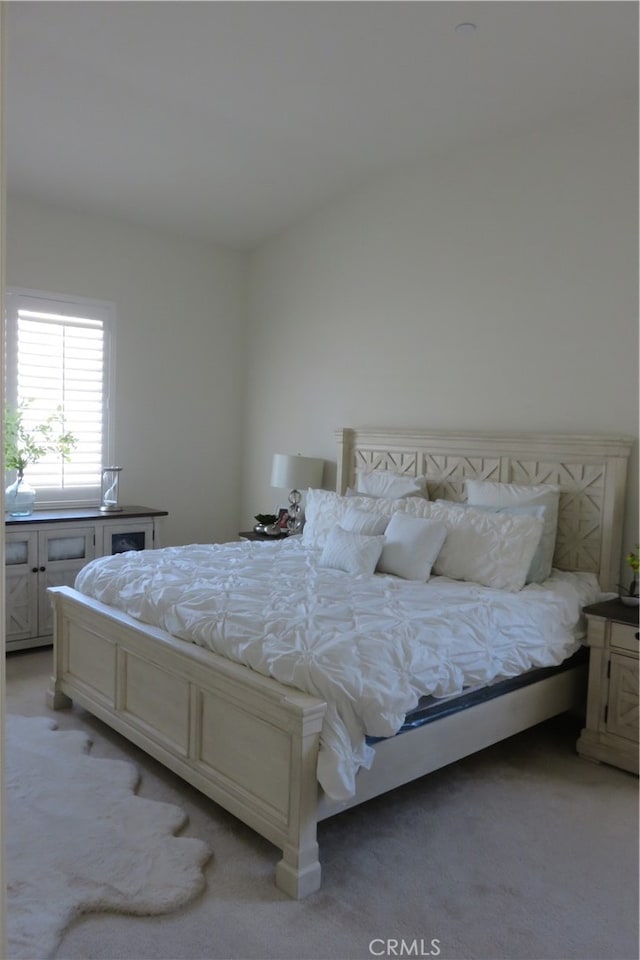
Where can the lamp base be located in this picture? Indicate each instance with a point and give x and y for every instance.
(294, 523)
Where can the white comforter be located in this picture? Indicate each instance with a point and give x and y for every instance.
(370, 646)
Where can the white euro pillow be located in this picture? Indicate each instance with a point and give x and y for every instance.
(353, 553)
(537, 572)
(325, 509)
(411, 545)
(385, 483)
(493, 549)
(492, 493)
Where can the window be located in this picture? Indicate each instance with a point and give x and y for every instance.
(59, 358)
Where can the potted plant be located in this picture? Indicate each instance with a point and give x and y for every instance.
(23, 446)
(265, 521)
(629, 595)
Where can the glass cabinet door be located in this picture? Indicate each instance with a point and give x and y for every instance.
(121, 537)
(21, 584)
(61, 553)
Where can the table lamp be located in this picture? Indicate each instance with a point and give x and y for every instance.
(295, 473)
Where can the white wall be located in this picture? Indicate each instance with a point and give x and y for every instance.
(179, 361)
(494, 289)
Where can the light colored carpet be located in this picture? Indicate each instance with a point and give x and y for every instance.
(79, 839)
(521, 852)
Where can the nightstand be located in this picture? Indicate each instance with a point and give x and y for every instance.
(253, 535)
(611, 731)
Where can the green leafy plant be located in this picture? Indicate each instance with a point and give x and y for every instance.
(23, 445)
(632, 559)
(266, 518)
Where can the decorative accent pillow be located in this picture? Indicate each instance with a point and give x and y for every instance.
(352, 552)
(490, 493)
(364, 521)
(537, 569)
(324, 510)
(385, 483)
(493, 549)
(411, 545)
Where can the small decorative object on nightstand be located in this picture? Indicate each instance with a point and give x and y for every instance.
(629, 595)
(254, 535)
(265, 523)
(611, 731)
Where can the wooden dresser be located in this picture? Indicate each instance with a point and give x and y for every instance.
(49, 548)
(611, 731)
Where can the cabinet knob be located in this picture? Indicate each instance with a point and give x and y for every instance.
(34, 569)
(42, 569)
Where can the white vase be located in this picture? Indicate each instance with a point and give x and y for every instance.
(19, 498)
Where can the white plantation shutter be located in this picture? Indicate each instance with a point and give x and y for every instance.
(58, 359)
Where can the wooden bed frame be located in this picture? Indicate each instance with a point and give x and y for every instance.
(250, 743)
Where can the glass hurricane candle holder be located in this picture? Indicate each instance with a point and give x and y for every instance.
(110, 489)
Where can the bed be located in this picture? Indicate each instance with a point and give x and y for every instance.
(253, 743)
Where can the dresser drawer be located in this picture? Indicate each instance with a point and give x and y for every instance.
(624, 636)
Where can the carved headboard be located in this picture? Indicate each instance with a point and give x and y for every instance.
(590, 470)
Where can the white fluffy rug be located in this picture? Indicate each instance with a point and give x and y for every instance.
(79, 839)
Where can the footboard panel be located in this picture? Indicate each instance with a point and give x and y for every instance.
(246, 741)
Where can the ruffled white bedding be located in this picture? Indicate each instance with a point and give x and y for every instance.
(370, 646)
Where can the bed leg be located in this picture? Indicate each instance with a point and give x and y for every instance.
(56, 699)
(298, 873)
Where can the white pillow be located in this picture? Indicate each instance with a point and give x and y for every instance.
(352, 552)
(324, 510)
(411, 545)
(537, 570)
(385, 483)
(364, 521)
(493, 549)
(490, 493)
(413, 506)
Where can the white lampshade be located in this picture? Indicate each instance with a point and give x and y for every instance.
(296, 472)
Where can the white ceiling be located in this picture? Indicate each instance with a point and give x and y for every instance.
(230, 120)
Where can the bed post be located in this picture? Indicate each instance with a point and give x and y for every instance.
(344, 478)
(56, 699)
(298, 873)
